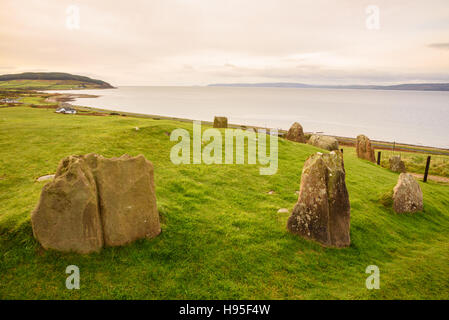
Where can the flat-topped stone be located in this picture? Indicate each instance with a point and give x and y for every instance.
(220, 122)
(324, 142)
(95, 201)
(364, 148)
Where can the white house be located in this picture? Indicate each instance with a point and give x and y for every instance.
(66, 110)
(7, 100)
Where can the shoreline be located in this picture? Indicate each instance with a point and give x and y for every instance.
(342, 140)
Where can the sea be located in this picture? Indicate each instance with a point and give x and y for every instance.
(412, 117)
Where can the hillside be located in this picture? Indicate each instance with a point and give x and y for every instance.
(50, 80)
(222, 237)
(404, 86)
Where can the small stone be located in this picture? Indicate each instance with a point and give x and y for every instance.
(46, 177)
(396, 164)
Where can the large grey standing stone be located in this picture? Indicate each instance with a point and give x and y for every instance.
(67, 216)
(323, 142)
(364, 148)
(220, 122)
(322, 212)
(407, 195)
(396, 164)
(95, 201)
(296, 133)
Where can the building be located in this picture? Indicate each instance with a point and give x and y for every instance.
(65, 108)
(7, 100)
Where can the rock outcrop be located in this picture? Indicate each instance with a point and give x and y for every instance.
(364, 148)
(220, 122)
(296, 133)
(323, 142)
(322, 212)
(407, 195)
(94, 202)
(396, 164)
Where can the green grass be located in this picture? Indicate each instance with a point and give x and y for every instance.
(222, 237)
(35, 100)
(46, 84)
(24, 96)
(416, 162)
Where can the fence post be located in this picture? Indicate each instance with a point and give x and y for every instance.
(426, 173)
(378, 157)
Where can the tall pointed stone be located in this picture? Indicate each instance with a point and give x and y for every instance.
(322, 212)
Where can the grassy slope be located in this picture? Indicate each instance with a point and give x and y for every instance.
(46, 84)
(222, 236)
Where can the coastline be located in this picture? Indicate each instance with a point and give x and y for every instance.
(63, 97)
(346, 141)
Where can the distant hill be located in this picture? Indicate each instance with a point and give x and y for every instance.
(50, 80)
(406, 86)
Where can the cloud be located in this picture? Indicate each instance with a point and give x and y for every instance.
(185, 42)
(441, 45)
(7, 68)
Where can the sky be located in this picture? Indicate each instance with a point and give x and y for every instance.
(198, 42)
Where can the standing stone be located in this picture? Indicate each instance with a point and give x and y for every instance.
(127, 198)
(407, 195)
(364, 148)
(323, 142)
(296, 133)
(95, 201)
(396, 164)
(67, 216)
(220, 122)
(322, 212)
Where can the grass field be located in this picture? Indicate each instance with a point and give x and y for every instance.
(35, 100)
(222, 237)
(416, 162)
